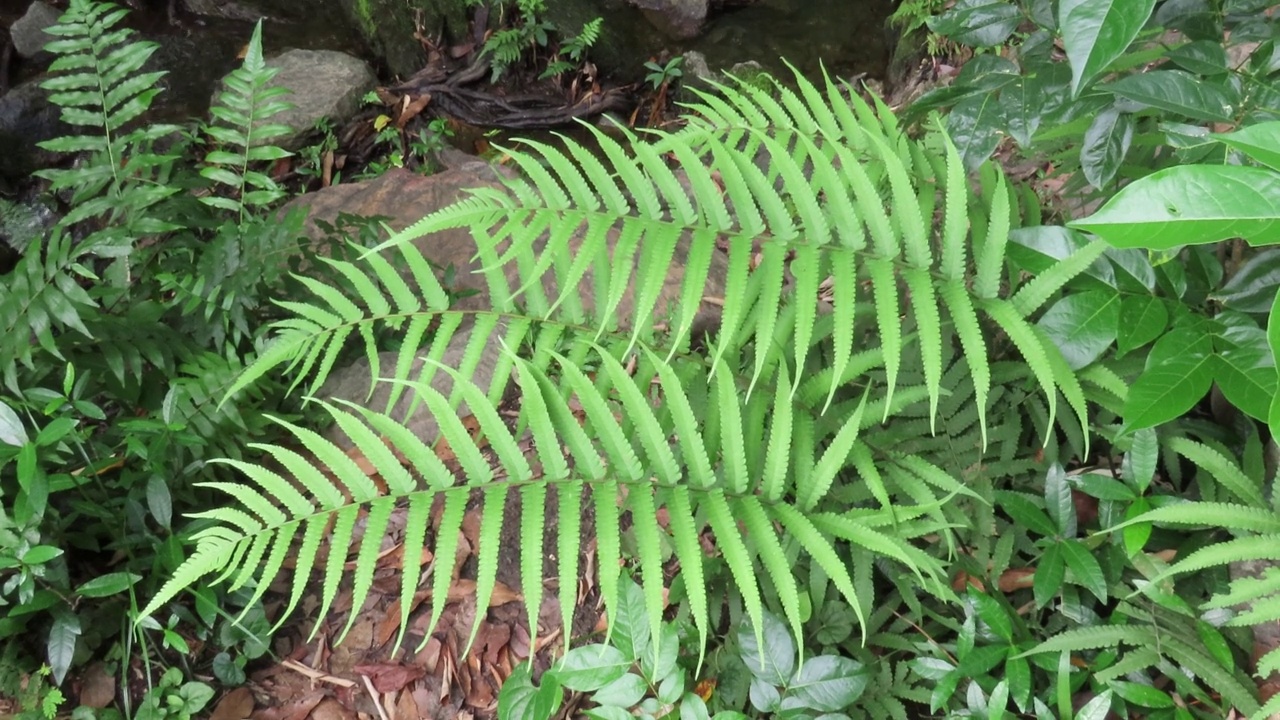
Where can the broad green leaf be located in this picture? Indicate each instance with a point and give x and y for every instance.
(775, 661)
(11, 430)
(974, 125)
(591, 667)
(1178, 92)
(1084, 567)
(1025, 514)
(977, 23)
(109, 584)
(1252, 289)
(1141, 695)
(1260, 142)
(1142, 319)
(1247, 378)
(1191, 205)
(1099, 706)
(61, 645)
(1273, 340)
(624, 692)
(1168, 390)
(1083, 325)
(827, 683)
(1106, 143)
(1096, 32)
(1202, 57)
(1049, 574)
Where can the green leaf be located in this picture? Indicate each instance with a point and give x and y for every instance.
(1253, 286)
(1050, 572)
(61, 646)
(1260, 141)
(1083, 325)
(827, 683)
(1173, 386)
(977, 23)
(1024, 512)
(591, 667)
(109, 584)
(775, 661)
(1178, 92)
(1273, 340)
(1106, 143)
(1142, 319)
(11, 430)
(1191, 205)
(1097, 708)
(625, 692)
(1141, 695)
(975, 125)
(1096, 32)
(1247, 378)
(1084, 567)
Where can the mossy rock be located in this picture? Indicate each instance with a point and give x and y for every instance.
(388, 27)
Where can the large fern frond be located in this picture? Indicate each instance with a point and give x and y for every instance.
(846, 430)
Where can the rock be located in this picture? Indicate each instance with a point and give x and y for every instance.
(26, 118)
(324, 84)
(404, 198)
(391, 28)
(28, 31)
(679, 19)
(695, 68)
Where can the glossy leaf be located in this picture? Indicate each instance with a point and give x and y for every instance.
(1191, 205)
(1202, 57)
(1247, 378)
(1085, 568)
(1050, 573)
(1142, 319)
(1253, 288)
(1178, 92)
(1260, 142)
(977, 23)
(1096, 32)
(1168, 390)
(974, 125)
(826, 683)
(1273, 340)
(1106, 142)
(1083, 325)
(11, 430)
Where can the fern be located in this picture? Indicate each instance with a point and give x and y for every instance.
(809, 428)
(245, 106)
(121, 177)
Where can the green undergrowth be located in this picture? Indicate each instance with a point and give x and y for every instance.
(942, 457)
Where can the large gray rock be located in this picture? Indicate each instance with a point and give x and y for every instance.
(26, 118)
(323, 84)
(679, 19)
(28, 31)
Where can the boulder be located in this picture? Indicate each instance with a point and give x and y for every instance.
(323, 84)
(678, 19)
(28, 32)
(26, 118)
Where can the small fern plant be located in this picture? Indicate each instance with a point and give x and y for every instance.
(853, 433)
(244, 107)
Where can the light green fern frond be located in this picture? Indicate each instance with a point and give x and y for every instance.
(245, 105)
(839, 431)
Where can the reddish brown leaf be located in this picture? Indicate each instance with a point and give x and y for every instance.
(390, 677)
(235, 705)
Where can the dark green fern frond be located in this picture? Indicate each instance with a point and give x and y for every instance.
(245, 106)
(40, 296)
(98, 87)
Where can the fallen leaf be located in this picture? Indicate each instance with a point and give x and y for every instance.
(235, 705)
(98, 688)
(390, 677)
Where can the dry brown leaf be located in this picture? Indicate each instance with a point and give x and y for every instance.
(390, 677)
(235, 705)
(330, 709)
(1016, 579)
(98, 688)
(406, 707)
